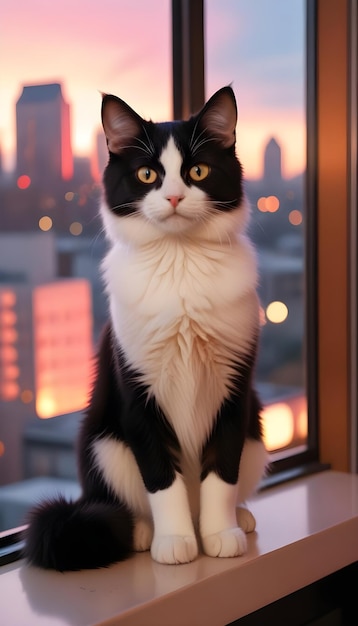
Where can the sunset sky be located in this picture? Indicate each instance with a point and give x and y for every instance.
(124, 47)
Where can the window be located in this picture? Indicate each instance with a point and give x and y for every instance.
(50, 237)
(260, 48)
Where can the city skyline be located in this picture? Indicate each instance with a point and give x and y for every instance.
(126, 49)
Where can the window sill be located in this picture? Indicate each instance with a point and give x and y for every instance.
(307, 529)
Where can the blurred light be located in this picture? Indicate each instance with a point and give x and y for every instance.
(272, 204)
(2, 448)
(9, 335)
(8, 353)
(24, 181)
(26, 396)
(9, 391)
(62, 346)
(8, 317)
(261, 204)
(8, 298)
(302, 423)
(277, 312)
(278, 426)
(45, 223)
(10, 372)
(69, 196)
(268, 205)
(295, 217)
(76, 228)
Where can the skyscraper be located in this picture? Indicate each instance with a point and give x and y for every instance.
(272, 161)
(44, 152)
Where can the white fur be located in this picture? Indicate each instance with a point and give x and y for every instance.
(174, 537)
(117, 465)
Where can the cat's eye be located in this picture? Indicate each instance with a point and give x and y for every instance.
(146, 175)
(199, 172)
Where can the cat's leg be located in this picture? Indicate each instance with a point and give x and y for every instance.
(156, 451)
(174, 537)
(143, 533)
(222, 529)
(220, 533)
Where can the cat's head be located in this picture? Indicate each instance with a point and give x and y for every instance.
(174, 178)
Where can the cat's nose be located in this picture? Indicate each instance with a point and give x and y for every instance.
(174, 200)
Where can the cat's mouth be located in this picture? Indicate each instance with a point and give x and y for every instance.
(174, 220)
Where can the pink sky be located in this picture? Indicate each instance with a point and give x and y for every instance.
(124, 47)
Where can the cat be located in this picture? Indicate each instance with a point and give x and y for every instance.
(171, 440)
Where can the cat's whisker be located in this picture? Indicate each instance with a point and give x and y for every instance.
(151, 145)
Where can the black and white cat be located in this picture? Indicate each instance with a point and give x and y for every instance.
(171, 441)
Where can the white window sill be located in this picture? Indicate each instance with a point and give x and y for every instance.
(306, 530)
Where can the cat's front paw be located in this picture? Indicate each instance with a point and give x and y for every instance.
(174, 549)
(226, 543)
(245, 519)
(142, 535)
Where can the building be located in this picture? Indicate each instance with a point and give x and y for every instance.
(272, 161)
(44, 152)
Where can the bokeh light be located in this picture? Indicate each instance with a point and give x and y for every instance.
(277, 312)
(45, 223)
(295, 217)
(278, 426)
(24, 181)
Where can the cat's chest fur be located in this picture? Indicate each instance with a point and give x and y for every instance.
(184, 314)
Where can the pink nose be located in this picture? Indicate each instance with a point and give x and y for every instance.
(174, 200)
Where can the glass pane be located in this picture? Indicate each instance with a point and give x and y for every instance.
(259, 47)
(55, 61)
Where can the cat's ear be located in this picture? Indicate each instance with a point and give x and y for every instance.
(219, 117)
(120, 123)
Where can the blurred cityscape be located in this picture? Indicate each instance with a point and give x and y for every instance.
(52, 305)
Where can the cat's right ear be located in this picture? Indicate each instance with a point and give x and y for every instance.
(120, 123)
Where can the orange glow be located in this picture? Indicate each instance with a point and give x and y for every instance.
(63, 346)
(7, 298)
(26, 396)
(8, 318)
(272, 204)
(9, 335)
(23, 182)
(302, 423)
(2, 448)
(45, 223)
(10, 372)
(9, 391)
(8, 353)
(278, 426)
(261, 204)
(295, 218)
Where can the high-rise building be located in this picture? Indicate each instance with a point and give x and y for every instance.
(272, 161)
(45, 359)
(44, 152)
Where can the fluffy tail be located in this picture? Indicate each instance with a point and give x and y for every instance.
(78, 535)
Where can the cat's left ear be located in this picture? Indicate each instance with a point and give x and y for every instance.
(120, 123)
(219, 117)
